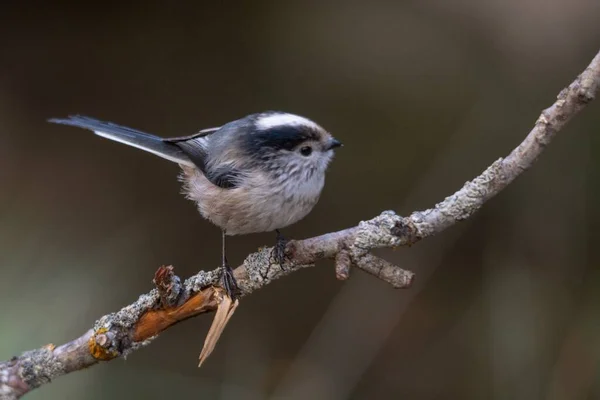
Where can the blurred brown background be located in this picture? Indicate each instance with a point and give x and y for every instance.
(424, 95)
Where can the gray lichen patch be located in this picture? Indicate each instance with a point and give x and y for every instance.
(463, 203)
(127, 317)
(261, 269)
(123, 321)
(39, 366)
(201, 280)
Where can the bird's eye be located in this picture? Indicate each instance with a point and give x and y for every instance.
(306, 151)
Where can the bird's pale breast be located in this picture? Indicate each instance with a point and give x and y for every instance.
(260, 205)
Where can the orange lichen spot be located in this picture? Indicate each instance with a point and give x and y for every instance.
(50, 347)
(101, 351)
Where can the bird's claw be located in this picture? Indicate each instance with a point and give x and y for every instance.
(279, 249)
(229, 283)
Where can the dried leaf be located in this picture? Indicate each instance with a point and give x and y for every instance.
(225, 310)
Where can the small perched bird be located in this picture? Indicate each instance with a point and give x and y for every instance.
(259, 173)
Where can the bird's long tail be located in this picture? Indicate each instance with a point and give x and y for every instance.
(131, 137)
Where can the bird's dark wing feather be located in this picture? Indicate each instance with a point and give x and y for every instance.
(195, 151)
(193, 146)
(224, 177)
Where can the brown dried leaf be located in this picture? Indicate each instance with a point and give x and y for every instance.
(225, 310)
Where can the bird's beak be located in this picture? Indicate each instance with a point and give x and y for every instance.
(333, 143)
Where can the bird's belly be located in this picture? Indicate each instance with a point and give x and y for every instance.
(248, 210)
(239, 215)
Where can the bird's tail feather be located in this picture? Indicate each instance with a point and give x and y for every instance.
(131, 137)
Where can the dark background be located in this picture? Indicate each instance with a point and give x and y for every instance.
(424, 95)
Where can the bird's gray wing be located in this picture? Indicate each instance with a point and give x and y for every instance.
(194, 146)
(224, 176)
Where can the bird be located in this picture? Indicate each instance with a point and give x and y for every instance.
(259, 173)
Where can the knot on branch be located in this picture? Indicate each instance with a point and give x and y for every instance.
(102, 345)
(406, 231)
(585, 95)
(378, 232)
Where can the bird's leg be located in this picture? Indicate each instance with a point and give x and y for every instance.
(229, 282)
(279, 249)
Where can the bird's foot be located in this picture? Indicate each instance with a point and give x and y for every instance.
(279, 249)
(229, 283)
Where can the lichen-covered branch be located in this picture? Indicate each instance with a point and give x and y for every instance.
(117, 334)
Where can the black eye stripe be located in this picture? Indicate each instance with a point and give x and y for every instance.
(285, 137)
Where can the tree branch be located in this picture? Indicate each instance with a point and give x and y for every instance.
(118, 334)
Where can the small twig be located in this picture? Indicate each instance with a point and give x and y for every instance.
(135, 325)
(342, 265)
